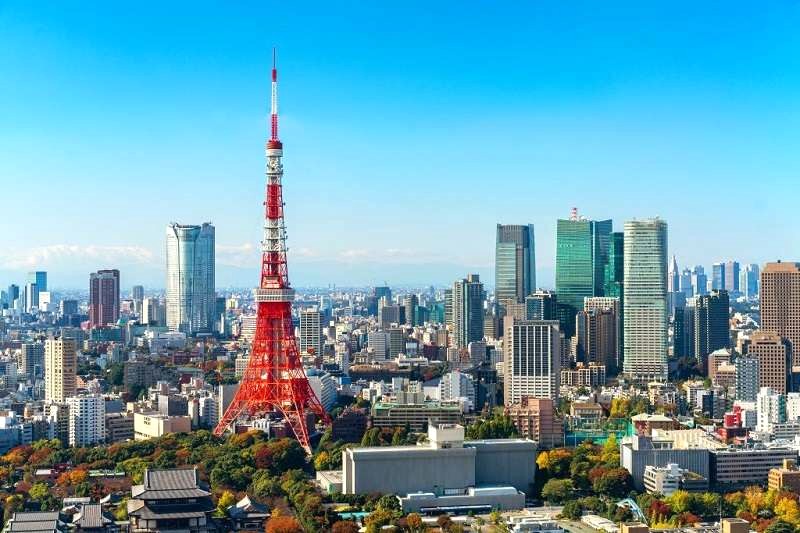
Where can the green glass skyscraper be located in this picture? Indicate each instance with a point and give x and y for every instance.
(582, 251)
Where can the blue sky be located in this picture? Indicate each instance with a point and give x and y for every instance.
(410, 130)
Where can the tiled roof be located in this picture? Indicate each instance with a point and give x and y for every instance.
(41, 522)
(91, 516)
(169, 484)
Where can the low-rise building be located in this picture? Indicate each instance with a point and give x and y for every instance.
(787, 477)
(493, 472)
(668, 479)
(152, 424)
(415, 415)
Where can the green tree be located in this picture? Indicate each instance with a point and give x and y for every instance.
(557, 490)
(377, 519)
(572, 510)
(227, 499)
(615, 483)
(39, 491)
(779, 526)
(389, 502)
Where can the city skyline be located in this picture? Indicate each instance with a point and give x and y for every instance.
(584, 126)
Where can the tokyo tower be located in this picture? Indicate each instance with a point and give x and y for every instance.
(274, 380)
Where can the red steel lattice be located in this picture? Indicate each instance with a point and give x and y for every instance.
(274, 380)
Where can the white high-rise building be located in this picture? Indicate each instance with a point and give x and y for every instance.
(793, 406)
(60, 367)
(190, 278)
(645, 302)
(771, 409)
(748, 281)
(532, 360)
(87, 420)
(455, 386)
(311, 331)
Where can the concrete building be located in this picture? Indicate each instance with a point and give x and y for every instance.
(31, 360)
(773, 354)
(457, 387)
(191, 299)
(468, 297)
(311, 331)
(780, 303)
(747, 378)
(103, 298)
(711, 323)
(602, 339)
(324, 387)
(689, 449)
(532, 360)
(786, 477)
(154, 424)
(668, 479)
(416, 415)
(645, 303)
(447, 467)
(61, 365)
(536, 419)
(87, 420)
(771, 409)
(591, 376)
(735, 468)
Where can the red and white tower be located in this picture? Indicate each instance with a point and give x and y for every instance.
(274, 380)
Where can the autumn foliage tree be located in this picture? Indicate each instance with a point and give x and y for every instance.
(283, 524)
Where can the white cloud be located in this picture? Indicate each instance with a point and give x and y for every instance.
(43, 256)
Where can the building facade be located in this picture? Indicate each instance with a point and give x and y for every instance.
(645, 305)
(780, 303)
(468, 297)
(532, 360)
(515, 262)
(191, 299)
(61, 365)
(103, 298)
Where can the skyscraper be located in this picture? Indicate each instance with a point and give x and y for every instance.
(31, 360)
(532, 360)
(748, 281)
(711, 324)
(87, 420)
(699, 280)
(683, 332)
(747, 380)
(732, 277)
(541, 305)
(599, 329)
(780, 304)
(582, 253)
(411, 305)
(645, 305)
(60, 366)
(103, 298)
(137, 295)
(674, 276)
(615, 269)
(515, 262)
(774, 360)
(468, 297)
(190, 278)
(311, 331)
(718, 276)
(685, 283)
